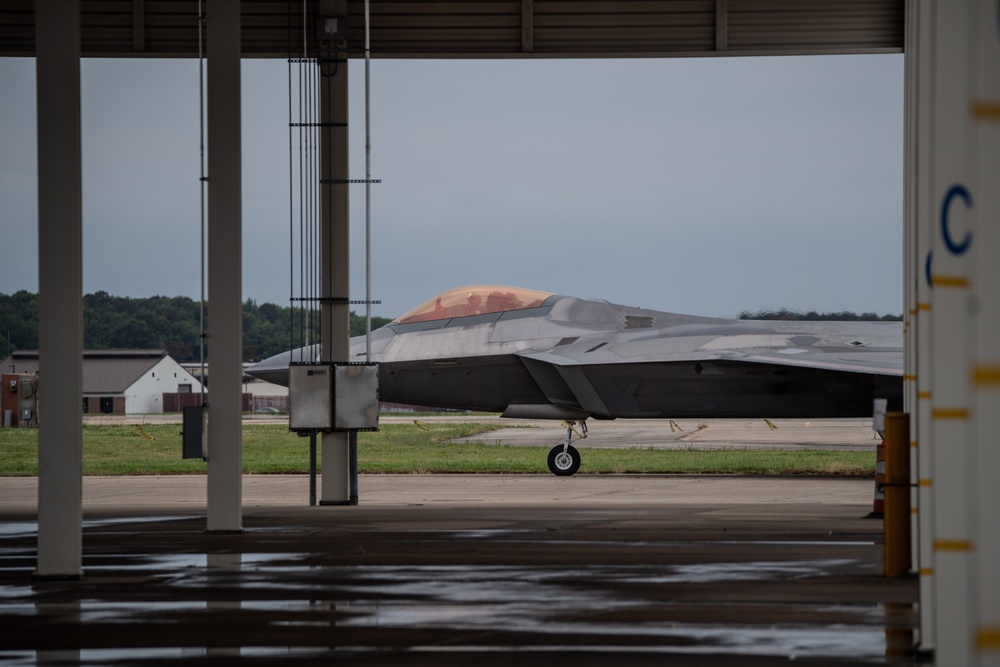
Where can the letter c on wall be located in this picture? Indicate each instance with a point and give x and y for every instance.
(953, 247)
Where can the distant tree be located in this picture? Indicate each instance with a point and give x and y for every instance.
(813, 316)
(18, 322)
(171, 323)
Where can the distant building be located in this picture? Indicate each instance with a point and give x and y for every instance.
(118, 381)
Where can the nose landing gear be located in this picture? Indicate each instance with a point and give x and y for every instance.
(564, 459)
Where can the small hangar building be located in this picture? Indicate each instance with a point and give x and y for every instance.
(120, 381)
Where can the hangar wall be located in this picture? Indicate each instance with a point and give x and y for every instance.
(953, 205)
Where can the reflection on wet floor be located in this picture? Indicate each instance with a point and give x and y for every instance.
(603, 608)
(575, 590)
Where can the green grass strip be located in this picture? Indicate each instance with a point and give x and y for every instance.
(155, 449)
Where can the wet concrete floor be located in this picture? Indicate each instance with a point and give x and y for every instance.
(465, 570)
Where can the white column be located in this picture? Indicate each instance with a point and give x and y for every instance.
(60, 290)
(919, 99)
(953, 212)
(335, 269)
(225, 308)
(984, 158)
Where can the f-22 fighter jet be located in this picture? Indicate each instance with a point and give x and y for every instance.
(531, 354)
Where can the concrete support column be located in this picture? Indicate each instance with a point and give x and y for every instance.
(957, 225)
(225, 298)
(919, 221)
(335, 238)
(983, 48)
(60, 290)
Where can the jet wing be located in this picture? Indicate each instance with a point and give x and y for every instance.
(829, 371)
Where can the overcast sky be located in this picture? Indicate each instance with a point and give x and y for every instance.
(704, 186)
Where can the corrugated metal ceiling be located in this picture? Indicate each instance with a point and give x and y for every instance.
(493, 28)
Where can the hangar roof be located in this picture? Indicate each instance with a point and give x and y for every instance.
(492, 28)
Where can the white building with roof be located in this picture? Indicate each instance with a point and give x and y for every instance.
(129, 381)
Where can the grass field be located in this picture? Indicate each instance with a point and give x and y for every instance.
(155, 449)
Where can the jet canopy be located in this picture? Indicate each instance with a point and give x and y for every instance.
(475, 300)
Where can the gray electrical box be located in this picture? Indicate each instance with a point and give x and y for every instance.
(355, 397)
(310, 394)
(193, 445)
(333, 397)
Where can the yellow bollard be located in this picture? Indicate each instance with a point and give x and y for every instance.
(896, 551)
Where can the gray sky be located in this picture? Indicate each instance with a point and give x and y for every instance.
(703, 186)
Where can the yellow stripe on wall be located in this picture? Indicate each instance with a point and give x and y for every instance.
(925, 482)
(986, 375)
(950, 413)
(926, 572)
(988, 639)
(923, 394)
(961, 546)
(949, 281)
(989, 111)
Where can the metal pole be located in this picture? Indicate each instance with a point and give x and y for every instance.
(312, 469)
(368, 193)
(352, 453)
(60, 290)
(225, 269)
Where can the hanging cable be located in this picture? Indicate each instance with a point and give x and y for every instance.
(203, 181)
(368, 192)
(305, 206)
(314, 179)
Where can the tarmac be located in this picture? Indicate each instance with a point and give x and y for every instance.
(464, 570)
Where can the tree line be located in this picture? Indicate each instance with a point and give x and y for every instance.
(170, 323)
(813, 316)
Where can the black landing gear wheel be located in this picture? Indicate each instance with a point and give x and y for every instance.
(564, 463)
